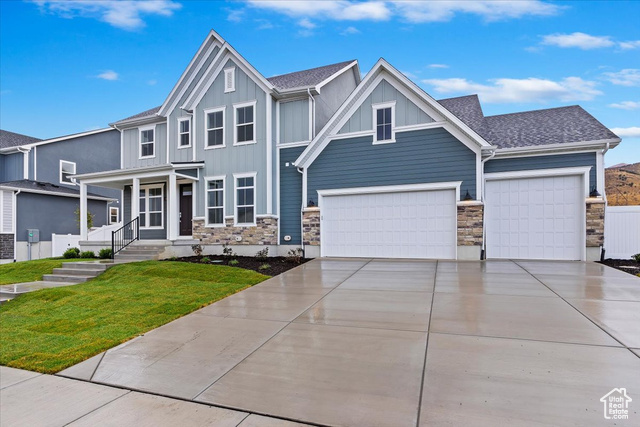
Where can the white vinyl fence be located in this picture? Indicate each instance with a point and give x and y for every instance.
(622, 231)
(62, 242)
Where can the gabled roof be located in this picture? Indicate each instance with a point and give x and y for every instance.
(29, 186)
(12, 139)
(307, 78)
(148, 113)
(469, 110)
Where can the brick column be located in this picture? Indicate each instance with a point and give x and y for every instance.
(470, 223)
(595, 221)
(311, 226)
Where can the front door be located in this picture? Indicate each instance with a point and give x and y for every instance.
(186, 209)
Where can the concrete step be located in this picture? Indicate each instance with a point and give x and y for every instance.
(138, 251)
(92, 265)
(135, 257)
(158, 248)
(66, 278)
(77, 271)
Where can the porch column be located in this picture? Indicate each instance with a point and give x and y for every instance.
(135, 199)
(84, 232)
(174, 214)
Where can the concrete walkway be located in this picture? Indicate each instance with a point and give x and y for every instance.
(401, 343)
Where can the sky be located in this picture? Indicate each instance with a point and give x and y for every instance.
(72, 66)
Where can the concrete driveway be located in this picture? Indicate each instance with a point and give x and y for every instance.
(402, 343)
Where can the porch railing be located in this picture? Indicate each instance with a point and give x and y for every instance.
(124, 236)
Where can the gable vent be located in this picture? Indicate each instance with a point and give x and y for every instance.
(229, 80)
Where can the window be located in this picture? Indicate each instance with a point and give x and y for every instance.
(244, 121)
(245, 199)
(215, 201)
(383, 119)
(114, 215)
(151, 206)
(147, 142)
(229, 80)
(67, 169)
(184, 132)
(214, 120)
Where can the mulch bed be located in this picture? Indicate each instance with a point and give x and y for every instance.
(277, 265)
(627, 265)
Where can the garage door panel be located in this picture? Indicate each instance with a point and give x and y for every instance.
(418, 224)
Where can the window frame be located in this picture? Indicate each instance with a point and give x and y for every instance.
(146, 189)
(117, 209)
(153, 143)
(208, 111)
(230, 72)
(383, 106)
(235, 122)
(180, 133)
(207, 179)
(237, 176)
(63, 182)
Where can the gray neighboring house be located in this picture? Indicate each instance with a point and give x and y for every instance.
(37, 191)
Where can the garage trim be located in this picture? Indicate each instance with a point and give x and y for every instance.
(451, 185)
(582, 171)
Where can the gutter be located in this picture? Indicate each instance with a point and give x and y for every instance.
(313, 115)
(301, 171)
(484, 210)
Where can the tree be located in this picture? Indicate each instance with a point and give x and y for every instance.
(90, 217)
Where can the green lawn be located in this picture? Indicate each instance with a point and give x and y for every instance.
(30, 271)
(52, 329)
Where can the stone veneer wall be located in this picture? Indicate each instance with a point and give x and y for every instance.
(6, 246)
(265, 232)
(311, 227)
(470, 216)
(595, 222)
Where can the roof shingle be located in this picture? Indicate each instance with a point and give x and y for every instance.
(27, 184)
(12, 139)
(306, 78)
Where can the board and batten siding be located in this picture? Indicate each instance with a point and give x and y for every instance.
(233, 159)
(131, 147)
(126, 214)
(290, 196)
(407, 113)
(545, 162)
(12, 167)
(294, 121)
(332, 96)
(417, 157)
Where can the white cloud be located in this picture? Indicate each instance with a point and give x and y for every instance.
(264, 24)
(152, 82)
(235, 15)
(349, 31)
(409, 74)
(520, 90)
(631, 132)
(626, 77)
(340, 10)
(306, 23)
(437, 66)
(124, 14)
(579, 40)
(442, 11)
(108, 75)
(631, 44)
(626, 105)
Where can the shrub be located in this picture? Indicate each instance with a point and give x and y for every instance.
(636, 257)
(234, 262)
(295, 256)
(104, 253)
(205, 260)
(87, 254)
(264, 267)
(227, 252)
(71, 253)
(263, 254)
(197, 250)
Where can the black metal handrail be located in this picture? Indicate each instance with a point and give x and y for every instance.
(124, 236)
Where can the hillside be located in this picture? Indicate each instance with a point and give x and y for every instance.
(622, 183)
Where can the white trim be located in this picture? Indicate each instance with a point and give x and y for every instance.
(35, 163)
(223, 178)
(556, 149)
(479, 174)
(146, 189)
(117, 214)
(121, 149)
(141, 172)
(140, 130)
(180, 133)
(71, 181)
(277, 212)
(294, 144)
(394, 189)
(420, 126)
(310, 124)
(374, 121)
(53, 193)
(253, 175)
(230, 73)
(540, 153)
(25, 164)
(540, 173)
(269, 156)
(62, 138)
(253, 123)
(206, 113)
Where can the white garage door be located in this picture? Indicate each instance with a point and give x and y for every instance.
(535, 218)
(416, 224)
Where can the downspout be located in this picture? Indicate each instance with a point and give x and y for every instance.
(301, 171)
(604, 197)
(15, 227)
(484, 210)
(313, 114)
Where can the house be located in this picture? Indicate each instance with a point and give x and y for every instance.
(38, 193)
(341, 165)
